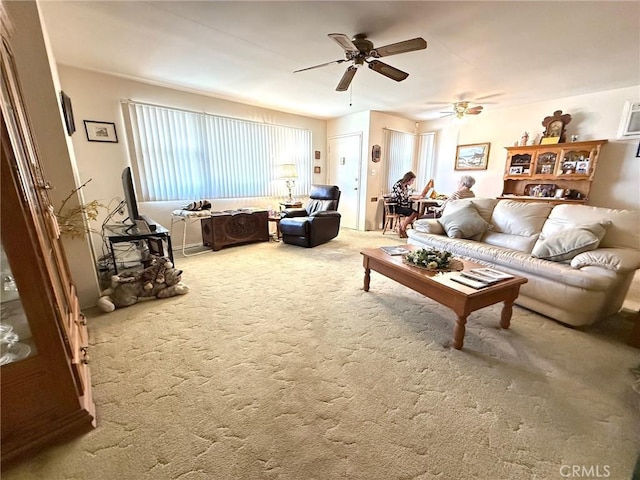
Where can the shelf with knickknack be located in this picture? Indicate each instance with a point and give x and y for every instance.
(556, 173)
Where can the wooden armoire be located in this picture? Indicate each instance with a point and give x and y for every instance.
(45, 383)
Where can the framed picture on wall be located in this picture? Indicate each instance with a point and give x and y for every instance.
(472, 157)
(100, 131)
(67, 111)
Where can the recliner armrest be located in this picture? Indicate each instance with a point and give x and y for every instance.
(294, 212)
(326, 213)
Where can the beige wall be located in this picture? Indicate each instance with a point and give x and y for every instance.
(97, 96)
(594, 116)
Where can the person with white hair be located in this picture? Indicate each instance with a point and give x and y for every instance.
(464, 191)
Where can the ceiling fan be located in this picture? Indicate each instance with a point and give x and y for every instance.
(460, 109)
(360, 50)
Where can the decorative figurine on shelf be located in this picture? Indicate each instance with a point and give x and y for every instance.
(556, 126)
(128, 289)
(524, 139)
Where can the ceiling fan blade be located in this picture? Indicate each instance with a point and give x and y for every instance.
(321, 65)
(387, 70)
(344, 41)
(401, 47)
(345, 81)
(487, 96)
(473, 110)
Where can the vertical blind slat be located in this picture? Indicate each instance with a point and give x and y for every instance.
(184, 155)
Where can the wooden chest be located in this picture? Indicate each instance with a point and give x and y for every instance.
(235, 227)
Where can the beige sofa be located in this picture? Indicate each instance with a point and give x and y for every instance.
(579, 260)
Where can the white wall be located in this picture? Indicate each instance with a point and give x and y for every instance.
(97, 96)
(594, 117)
(41, 87)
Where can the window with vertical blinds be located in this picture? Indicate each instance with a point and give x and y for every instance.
(183, 155)
(408, 152)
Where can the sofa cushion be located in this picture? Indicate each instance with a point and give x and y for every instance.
(566, 244)
(463, 221)
(624, 231)
(517, 225)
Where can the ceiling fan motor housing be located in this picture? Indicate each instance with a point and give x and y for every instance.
(362, 44)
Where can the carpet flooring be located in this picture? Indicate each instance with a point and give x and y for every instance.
(277, 365)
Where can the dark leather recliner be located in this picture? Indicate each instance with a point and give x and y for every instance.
(317, 223)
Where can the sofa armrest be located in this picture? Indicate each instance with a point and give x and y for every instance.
(294, 212)
(615, 259)
(429, 225)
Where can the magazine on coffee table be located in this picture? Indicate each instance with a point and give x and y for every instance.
(480, 277)
(488, 276)
(469, 282)
(395, 250)
(491, 273)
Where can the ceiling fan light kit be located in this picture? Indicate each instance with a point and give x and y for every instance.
(360, 50)
(461, 109)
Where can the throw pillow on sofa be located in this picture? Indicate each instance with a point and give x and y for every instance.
(463, 222)
(566, 244)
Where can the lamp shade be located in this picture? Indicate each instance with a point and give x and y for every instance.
(287, 171)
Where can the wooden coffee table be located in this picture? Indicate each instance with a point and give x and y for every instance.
(439, 287)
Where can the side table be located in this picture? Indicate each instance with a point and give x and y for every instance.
(120, 233)
(294, 204)
(275, 218)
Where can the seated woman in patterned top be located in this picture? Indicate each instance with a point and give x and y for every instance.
(400, 195)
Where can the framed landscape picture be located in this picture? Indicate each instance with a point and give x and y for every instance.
(472, 157)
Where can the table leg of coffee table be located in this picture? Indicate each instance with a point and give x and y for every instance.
(505, 316)
(458, 332)
(367, 279)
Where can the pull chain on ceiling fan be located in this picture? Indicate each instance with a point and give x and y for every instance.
(360, 50)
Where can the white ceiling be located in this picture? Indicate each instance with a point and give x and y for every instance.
(511, 53)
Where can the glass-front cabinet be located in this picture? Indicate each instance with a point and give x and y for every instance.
(560, 173)
(45, 384)
(16, 342)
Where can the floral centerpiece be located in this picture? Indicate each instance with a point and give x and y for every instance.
(432, 259)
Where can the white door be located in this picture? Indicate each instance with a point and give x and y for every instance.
(345, 157)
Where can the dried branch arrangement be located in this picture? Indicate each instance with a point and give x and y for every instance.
(71, 219)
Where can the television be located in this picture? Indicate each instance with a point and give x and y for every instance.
(130, 195)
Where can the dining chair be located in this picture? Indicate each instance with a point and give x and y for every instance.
(391, 218)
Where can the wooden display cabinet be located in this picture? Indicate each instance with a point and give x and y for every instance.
(45, 382)
(560, 173)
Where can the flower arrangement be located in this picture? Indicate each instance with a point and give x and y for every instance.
(429, 258)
